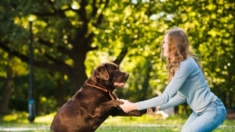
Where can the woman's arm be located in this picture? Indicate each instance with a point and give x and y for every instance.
(176, 100)
(172, 88)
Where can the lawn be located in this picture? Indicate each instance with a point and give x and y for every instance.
(147, 123)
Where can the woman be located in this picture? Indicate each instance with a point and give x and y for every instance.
(186, 84)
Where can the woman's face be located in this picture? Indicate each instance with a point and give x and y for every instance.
(165, 46)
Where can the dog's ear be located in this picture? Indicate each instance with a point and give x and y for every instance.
(101, 72)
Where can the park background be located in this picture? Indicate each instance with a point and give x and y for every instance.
(69, 38)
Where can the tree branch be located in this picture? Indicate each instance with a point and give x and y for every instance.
(82, 11)
(95, 9)
(14, 53)
(54, 67)
(100, 17)
(49, 44)
(121, 56)
(82, 31)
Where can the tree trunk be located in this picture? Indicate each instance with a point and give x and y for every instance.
(6, 90)
(60, 85)
(77, 74)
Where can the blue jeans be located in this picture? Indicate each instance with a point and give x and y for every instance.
(208, 120)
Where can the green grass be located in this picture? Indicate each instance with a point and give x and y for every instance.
(146, 123)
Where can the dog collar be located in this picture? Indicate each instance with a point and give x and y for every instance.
(103, 89)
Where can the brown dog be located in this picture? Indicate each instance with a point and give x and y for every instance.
(94, 102)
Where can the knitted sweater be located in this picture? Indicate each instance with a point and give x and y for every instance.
(188, 84)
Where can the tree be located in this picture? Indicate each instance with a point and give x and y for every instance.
(72, 37)
(66, 32)
(6, 92)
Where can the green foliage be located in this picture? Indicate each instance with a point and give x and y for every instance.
(72, 37)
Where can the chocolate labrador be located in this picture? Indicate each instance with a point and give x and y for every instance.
(94, 102)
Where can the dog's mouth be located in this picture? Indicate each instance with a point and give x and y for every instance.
(121, 81)
(117, 84)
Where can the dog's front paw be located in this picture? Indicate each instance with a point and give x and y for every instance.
(116, 103)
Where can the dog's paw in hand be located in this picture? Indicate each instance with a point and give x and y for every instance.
(127, 106)
(116, 103)
(120, 102)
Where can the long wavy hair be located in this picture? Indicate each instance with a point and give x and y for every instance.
(178, 50)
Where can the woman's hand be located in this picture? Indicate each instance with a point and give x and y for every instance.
(127, 106)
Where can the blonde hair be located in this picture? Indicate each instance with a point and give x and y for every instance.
(178, 50)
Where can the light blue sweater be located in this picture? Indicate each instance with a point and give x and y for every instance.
(188, 84)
